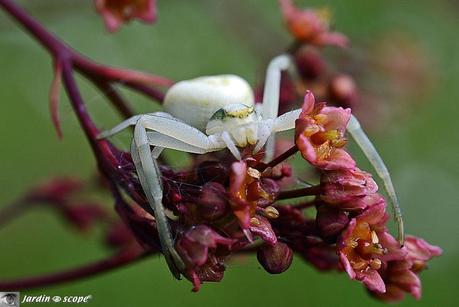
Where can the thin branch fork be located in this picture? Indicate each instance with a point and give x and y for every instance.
(66, 62)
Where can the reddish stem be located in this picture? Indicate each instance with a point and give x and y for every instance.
(107, 156)
(13, 210)
(124, 257)
(148, 91)
(287, 154)
(121, 75)
(309, 191)
(139, 81)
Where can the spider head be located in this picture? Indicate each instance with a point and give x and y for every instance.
(239, 120)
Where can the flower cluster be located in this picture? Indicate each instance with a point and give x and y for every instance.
(310, 29)
(367, 252)
(311, 26)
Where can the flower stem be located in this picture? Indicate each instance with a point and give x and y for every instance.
(287, 154)
(13, 210)
(309, 191)
(124, 257)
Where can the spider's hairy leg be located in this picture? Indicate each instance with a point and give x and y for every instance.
(282, 123)
(150, 179)
(121, 126)
(376, 161)
(231, 145)
(165, 141)
(271, 95)
(286, 121)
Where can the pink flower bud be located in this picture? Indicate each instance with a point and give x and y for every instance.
(194, 245)
(344, 185)
(309, 63)
(331, 221)
(212, 203)
(343, 90)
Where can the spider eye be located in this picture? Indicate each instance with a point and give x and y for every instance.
(219, 115)
(9, 299)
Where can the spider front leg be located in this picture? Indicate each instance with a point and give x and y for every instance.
(377, 162)
(271, 93)
(167, 132)
(150, 179)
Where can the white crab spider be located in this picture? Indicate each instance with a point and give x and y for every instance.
(213, 113)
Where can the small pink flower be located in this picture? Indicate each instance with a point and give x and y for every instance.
(401, 277)
(365, 246)
(419, 252)
(247, 191)
(197, 247)
(117, 12)
(346, 185)
(311, 26)
(319, 135)
(261, 227)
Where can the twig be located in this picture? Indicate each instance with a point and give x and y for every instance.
(130, 255)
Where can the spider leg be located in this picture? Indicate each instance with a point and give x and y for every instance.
(271, 94)
(376, 161)
(167, 133)
(164, 141)
(286, 121)
(231, 145)
(150, 179)
(118, 128)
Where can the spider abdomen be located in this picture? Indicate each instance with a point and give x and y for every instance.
(195, 101)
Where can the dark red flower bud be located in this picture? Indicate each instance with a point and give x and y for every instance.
(275, 259)
(55, 190)
(343, 90)
(84, 216)
(118, 235)
(212, 171)
(331, 221)
(309, 63)
(212, 203)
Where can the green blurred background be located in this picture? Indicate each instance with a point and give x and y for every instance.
(420, 143)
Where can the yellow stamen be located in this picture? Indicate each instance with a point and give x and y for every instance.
(374, 237)
(358, 265)
(310, 130)
(255, 222)
(320, 118)
(271, 212)
(375, 264)
(254, 173)
(339, 143)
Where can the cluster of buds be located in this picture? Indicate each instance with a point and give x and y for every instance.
(65, 196)
(310, 29)
(350, 212)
